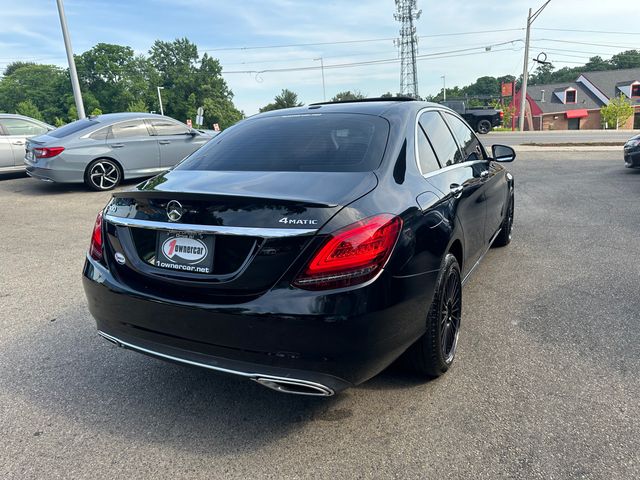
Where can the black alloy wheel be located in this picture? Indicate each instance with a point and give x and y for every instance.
(434, 352)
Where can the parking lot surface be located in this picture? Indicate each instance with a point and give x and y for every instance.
(546, 383)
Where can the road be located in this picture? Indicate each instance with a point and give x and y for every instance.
(559, 136)
(546, 384)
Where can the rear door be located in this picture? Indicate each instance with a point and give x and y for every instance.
(6, 152)
(460, 180)
(131, 144)
(17, 131)
(491, 173)
(174, 140)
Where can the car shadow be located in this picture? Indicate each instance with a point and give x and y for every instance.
(65, 369)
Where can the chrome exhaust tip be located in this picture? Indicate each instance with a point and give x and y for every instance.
(110, 339)
(295, 387)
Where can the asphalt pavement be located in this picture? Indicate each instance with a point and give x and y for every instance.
(546, 383)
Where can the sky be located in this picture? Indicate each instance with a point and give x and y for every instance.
(229, 31)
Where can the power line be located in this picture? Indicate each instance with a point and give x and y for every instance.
(366, 63)
(587, 31)
(610, 45)
(344, 42)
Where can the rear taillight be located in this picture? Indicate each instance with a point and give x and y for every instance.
(47, 152)
(352, 255)
(501, 114)
(95, 249)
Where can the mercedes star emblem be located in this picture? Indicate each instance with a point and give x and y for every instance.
(174, 210)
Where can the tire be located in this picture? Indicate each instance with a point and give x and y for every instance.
(434, 352)
(506, 227)
(103, 174)
(483, 127)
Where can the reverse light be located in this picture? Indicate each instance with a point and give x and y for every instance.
(47, 152)
(95, 248)
(352, 255)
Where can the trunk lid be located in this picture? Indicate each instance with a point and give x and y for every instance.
(256, 225)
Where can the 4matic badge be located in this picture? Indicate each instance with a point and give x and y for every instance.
(297, 221)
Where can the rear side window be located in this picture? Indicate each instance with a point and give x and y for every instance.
(469, 143)
(134, 128)
(167, 127)
(296, 143)
(426, 155)
(72, 128)
(441, 138)
(17, 126)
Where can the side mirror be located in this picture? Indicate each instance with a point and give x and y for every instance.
(503, 153)
(192, 132)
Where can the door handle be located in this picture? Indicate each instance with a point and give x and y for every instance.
(484, 174)
(456, 190)
(117, 145)
(18, 142)
(164, 142)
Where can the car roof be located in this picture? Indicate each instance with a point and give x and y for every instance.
(378, 107)
(17, 115)
(115, 117)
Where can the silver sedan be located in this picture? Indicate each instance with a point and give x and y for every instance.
(14, 131)
(101, 151)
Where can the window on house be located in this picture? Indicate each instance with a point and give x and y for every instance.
(570, 96)
(635, 90)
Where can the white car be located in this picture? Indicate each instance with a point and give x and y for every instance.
(14, 131)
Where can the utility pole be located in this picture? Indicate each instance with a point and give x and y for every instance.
(525, 70)
(324, 90)
(160, 100)
(406, 13)
(73, 74)
(444, 88)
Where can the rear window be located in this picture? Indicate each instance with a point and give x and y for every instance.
(72, 128)
(296, 143)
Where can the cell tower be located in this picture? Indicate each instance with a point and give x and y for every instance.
(406, 12)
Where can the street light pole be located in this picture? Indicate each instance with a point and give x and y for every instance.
(525, 70)
(324, 90)
(160, 100)
(444, 88)
(73, 74)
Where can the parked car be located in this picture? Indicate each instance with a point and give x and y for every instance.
(14, 131)
(632, 152)
(482, 120)
(305, 249)
(103, 150)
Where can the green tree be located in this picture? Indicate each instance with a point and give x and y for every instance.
(115, 76)
(285, 99)
(190, 81)
(628, 59)
(220, 111)
(137, 106)
(28, 109)
(617, 112)
(347, 96)
(45, 86)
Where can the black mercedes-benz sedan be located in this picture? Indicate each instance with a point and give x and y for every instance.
(305, 249)
(632, 152)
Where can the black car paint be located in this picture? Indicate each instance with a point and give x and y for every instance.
(632, 153)
(254, 320)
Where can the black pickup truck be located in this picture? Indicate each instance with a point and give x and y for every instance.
(482, 120)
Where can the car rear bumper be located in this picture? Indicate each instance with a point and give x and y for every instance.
(54, 175)
(363, 331)
(632, 158)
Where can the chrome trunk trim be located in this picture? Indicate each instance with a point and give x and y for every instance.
(220, 229)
